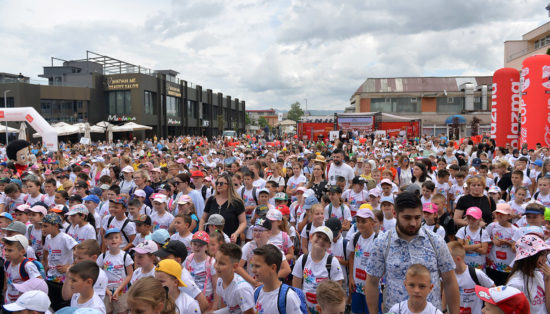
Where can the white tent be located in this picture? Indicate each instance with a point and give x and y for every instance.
(62, 129)
(22, 131)
(10, 129)
(130, 127)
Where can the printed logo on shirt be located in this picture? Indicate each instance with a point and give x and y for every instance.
(308, 276)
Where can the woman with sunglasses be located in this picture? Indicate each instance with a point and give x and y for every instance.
(227, 203)
(404, 171)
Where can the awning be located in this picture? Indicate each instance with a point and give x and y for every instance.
(450, 119)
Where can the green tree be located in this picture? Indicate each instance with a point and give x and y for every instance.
(295, 112)
(548, 51)
(247, 119)
(262, 121)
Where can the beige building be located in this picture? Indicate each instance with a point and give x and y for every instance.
(532, 43)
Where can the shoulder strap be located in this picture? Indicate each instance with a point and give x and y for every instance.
(124, 263)
(124, 224)
(329, 264)
(473, 274)
(257, 293)
(435, 251)
(285, 237)
(308, 228)
(29, 231)
(345, 245)
(103, 256)
(188, 260)
(109, 221)
(242, 193)
(281, 298)
(254, 196)
(304, 260)
(67, 229)
(329, 210)
(536, 195)
(22, 271)
(342, 209)
(203, 191)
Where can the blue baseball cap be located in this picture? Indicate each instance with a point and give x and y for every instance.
(6, 215)
(111, 231)
(161, 236)
(310, 201)
(92, 198)
(538, 162)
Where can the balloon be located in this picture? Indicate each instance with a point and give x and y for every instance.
(505, 107)
(535, 99)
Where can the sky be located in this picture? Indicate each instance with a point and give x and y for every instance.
(271, 53)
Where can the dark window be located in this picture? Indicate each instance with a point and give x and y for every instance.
(149, 102)
(119, 102)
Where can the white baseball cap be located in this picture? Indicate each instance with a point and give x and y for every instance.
(128, 169)
(274, 214)
(326, 230)
(140, 193)
(31, 300)
(19, 238)
(159, 197)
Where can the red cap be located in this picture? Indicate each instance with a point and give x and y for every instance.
(197, 173)
(509, 299)
(284, 209)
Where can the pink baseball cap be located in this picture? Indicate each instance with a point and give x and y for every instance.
(503, 208)
(386, 181)
(474, 212)
(146, 247)
(374, 192)
(365, 213)
(429, 208)
(39, 209)
(301, 189)
(140, 193)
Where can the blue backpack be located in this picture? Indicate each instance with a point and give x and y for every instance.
(23, 273)
(281, 299)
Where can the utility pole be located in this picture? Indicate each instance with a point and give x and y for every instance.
(6, 106)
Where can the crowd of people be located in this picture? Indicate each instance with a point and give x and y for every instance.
(362, 224)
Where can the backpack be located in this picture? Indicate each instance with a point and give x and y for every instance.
(253, 194)
(330, 210)
(328, 266)
(286, 241)
(124, 224)
(281, 298)
(23, 273)
(207, 266)
(356, 238)
(204, 189)
(473, 274)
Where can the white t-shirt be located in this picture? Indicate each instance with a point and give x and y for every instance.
(282, 241)
(440, 230)
(94, 303)
(13, 276)
(403, 308)
(138, 274)
(344, 170)
(185, 240)
(191, 287)
(388, 224)
(500, 257)
(186, 304)
(115, 267)
(474, 259)
(355, 199)
(361, 254)
(31, 200)
(294, 182)
(101, 284)
(296, 212)
(338, 212)
(139, 238)
(442, 188)
(60, 252)
(314, 273)
(238, 296)
(202, 273)
(544, 199)
(82, 233)
(469, 302)
(267, 302)
(536, 294)
(35, 241)
(161, 221)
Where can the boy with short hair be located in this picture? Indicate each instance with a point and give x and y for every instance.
(309, 271)
(386, 206)
(118, 220)
(517, 182)
(428, 188)
(543, 195)
(118, 266)
(234, 291)
(331, 296)
(267, 297)
(80, 282)
(418, 284)
(442, 184)
(143, 229)
(181, 223)
(444, 217)
(89, 250)
(216, 222)
(467, 278)
(15, 248)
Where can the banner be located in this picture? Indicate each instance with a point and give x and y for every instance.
(505, 107)
(38, 123)
(535, 99)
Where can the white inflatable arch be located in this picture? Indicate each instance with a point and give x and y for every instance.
(38, 123)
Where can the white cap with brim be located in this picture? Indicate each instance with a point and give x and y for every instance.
(19, 238)
(326, 230)
(31, 300)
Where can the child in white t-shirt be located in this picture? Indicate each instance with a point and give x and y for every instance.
(160, 218)
(181, 224)
(15, 248)
(169, 272)
(232, 289)
(517, 204)
(316, 212)
(474, 239)
(89, 250)
(431, 218)
(143, 229)
(311, 269)
(469, 303)
(277, 236)
(501, 255)
(145, 260)
(80, 229)
(34, 231)
(338, 209)
(200, 265)
(118, 220)
(118, 266)
(80, 282)
(417, 282)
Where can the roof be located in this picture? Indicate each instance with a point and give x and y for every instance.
(420, 84)
(265, 110)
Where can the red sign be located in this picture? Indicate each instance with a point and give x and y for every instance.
(411, 128)
(29, 118)
(1, 114)
(311, 131)
(505, 107)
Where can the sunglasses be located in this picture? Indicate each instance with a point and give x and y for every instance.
(219, 183)
(249, 158)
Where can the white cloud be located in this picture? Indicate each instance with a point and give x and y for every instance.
(272, 53)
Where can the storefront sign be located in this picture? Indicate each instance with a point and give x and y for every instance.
(121, 83)
(173, 90)
(120, 118)
(173, 121)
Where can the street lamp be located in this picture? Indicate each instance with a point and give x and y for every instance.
(6, 106)
(306, 104)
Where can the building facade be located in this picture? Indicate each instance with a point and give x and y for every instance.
(270, 115)
(437, 101)
(535, 42)
(101, 88)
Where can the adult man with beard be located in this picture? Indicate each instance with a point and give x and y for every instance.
(394, 251)
(339, 169)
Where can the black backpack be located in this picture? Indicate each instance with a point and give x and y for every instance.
(124, 224)
(328, 266)
(253, 194)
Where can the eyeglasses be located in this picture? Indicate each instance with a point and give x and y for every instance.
(220, 183)
(387, 160)
(248, 158)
